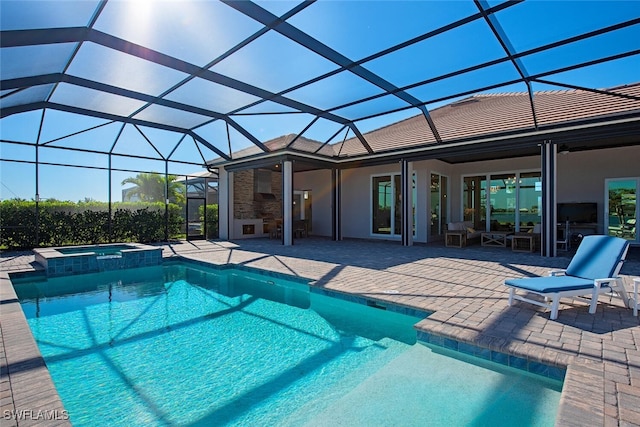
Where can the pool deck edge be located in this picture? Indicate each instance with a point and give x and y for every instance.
(28, 395)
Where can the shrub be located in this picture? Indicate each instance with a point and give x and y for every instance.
(66, 223)
(18, 224)
(211, 220)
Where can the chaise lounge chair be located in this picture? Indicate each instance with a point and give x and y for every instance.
(592, 271)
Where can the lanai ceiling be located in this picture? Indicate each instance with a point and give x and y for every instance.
(236, 74)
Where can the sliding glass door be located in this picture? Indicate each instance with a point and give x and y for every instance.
(621, 216)
(386, 208)
(383, 203)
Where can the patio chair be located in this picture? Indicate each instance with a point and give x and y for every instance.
(300, 228)
(564, 243)
(275, 229)
(629, 229)
(592, 271)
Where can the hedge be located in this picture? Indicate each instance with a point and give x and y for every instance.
(68, 223)
(211, 220)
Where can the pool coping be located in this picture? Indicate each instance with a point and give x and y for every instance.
(29, 396)
(583, 401)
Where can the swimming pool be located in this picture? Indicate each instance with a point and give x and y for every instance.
(184, 344)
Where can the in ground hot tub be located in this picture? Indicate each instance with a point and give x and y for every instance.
(62, 261)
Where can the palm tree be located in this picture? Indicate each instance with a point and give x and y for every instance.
(150, 187)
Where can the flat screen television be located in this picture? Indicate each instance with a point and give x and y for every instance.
(578, 213)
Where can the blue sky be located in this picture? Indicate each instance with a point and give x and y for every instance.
(356, 29)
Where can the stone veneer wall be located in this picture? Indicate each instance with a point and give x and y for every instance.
(244, 205)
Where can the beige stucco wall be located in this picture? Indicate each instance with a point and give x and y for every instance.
(582, 175)
(319, 184)
(356, 199)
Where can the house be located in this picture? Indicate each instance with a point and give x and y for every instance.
(123, 102)
(492, 162)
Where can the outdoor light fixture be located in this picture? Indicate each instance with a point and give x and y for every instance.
(563, 149)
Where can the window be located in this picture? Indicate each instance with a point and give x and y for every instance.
(529, 200)
(502, 199)
(513, 200)
(382, 204)
(475, 201)
(622, 214)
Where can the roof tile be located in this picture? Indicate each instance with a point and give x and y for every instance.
(496, 113)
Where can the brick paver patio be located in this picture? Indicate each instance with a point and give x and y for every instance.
(462, 287)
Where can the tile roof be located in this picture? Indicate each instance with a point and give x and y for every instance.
(491, 114)
(480, 115)
(281, 142)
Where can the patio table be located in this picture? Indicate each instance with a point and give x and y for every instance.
(523, 242)
(456, 238)
(495, 238)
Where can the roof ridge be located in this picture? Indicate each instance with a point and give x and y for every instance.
(550, 91)
(536, 92)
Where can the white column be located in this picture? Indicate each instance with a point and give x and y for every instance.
(287, 203)
(225, 203)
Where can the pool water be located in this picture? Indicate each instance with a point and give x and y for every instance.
(182, 345)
